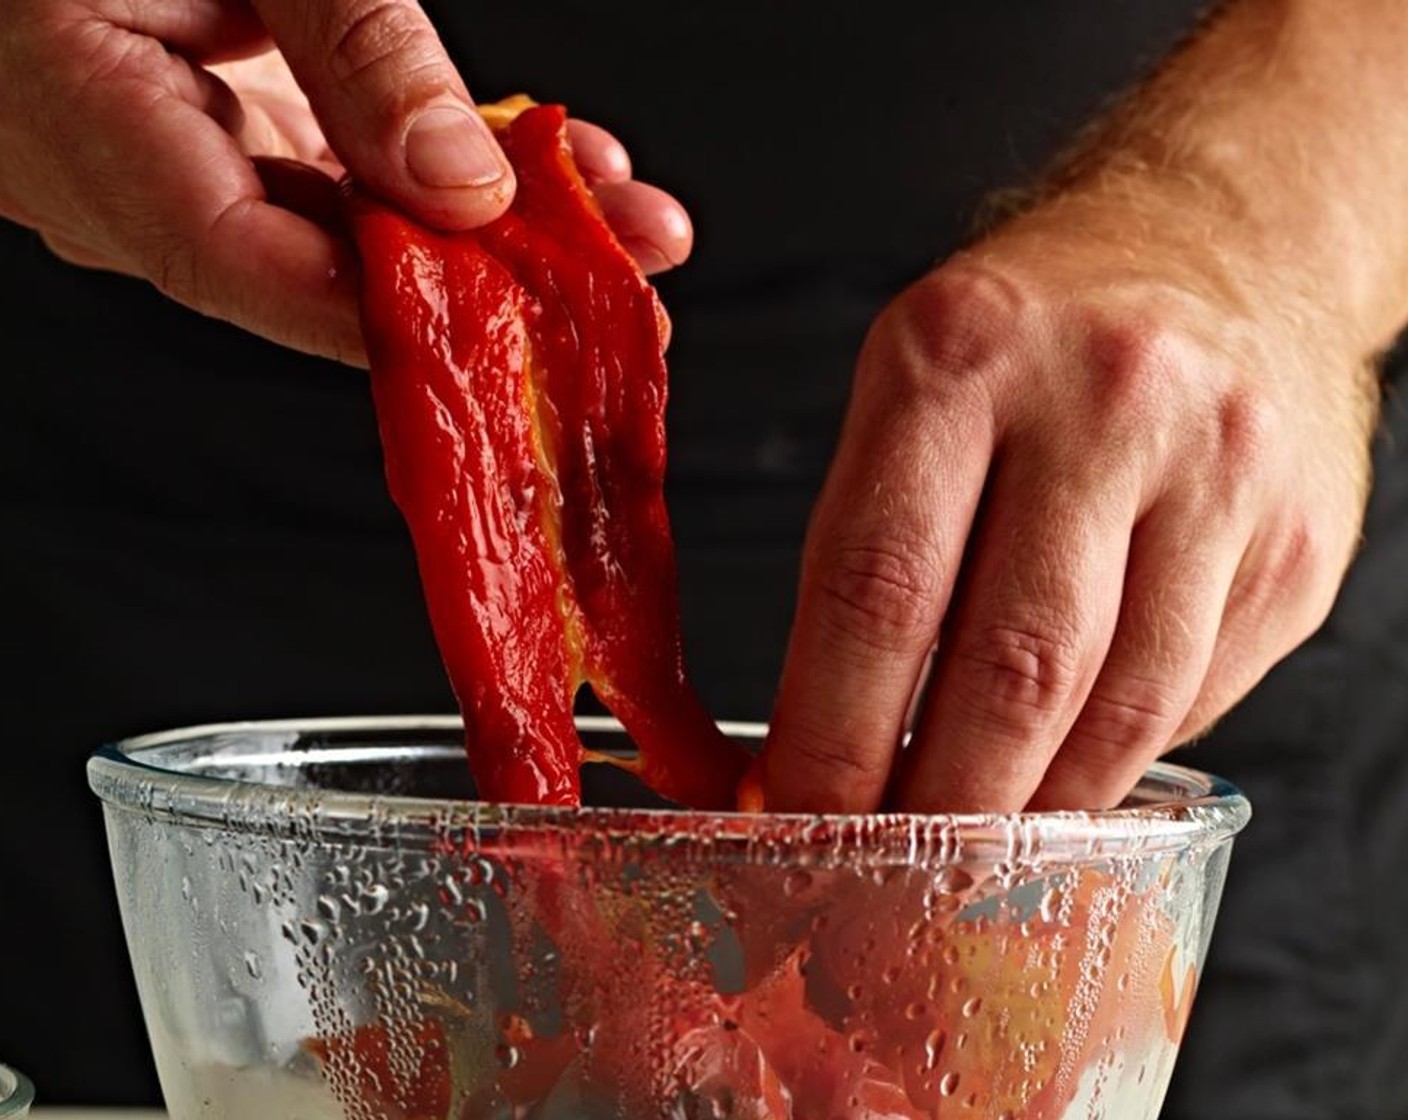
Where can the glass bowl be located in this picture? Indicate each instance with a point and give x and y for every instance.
(324, 923)
(16, 1094)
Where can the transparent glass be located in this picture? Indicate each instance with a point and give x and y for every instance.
(16, 1094)
(324, 923)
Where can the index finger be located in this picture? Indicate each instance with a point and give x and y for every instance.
(882, 553)
(178, 202)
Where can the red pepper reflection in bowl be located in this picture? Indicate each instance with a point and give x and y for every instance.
(324, 923)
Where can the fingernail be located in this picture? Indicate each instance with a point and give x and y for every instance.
(650, 258)
(451, 147)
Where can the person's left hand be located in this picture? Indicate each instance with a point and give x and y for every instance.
(1113, 486)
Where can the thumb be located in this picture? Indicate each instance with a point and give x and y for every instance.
(393, 107)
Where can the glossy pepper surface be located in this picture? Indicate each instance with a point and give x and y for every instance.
(520, 385)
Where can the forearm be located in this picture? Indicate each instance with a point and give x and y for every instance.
(1274, 147)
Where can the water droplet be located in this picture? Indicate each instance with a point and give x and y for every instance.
(972, 1006)
(329, 908)
(507, 1055)
(952, 880)
(855, 991)
(796, 883)
(933, 1047)
(893, 973)
(253, 965)
(950, 954)
(948, 1084)
(478, 871)
(916, 1010)
(374, 898)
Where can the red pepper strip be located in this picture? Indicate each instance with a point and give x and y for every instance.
(445, 330)
(520, 383)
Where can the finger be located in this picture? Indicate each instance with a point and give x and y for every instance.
(393, 106)
(306, 191)
(1035, 621)
(1181, 568)
(652, 226)
(883, 548)
(599, 156)
(1279, 598)
(278, 121)
(202, 30)
(179, 203)
(71, 252)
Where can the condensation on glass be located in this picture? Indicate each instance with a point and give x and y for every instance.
(323, 923)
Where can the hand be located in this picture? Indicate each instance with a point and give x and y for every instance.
(172, 140)
(1114, 492)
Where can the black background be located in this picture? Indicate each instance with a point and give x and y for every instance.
(194, 525)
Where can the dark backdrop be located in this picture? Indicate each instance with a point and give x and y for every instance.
(195, 526)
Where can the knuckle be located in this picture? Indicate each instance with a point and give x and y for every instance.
(1131, 715)
(171, 267)
(1244, 432)
(881, 595)
(1131, 359)
(1019, 676)
(1306, 567)
(383, 34)
(827, 762)
(961, 318)
(184, 264)
(1300, 554)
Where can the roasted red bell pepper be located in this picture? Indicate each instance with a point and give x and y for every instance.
(520, 384)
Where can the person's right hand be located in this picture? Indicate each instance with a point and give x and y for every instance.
(197, 143)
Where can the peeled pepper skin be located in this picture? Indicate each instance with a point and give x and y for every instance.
(520, 386)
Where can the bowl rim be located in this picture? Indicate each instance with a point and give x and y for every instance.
(1211, 814)
(18, 1097)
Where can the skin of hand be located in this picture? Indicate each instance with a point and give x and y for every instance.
(198, 144)
(1103, 470)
